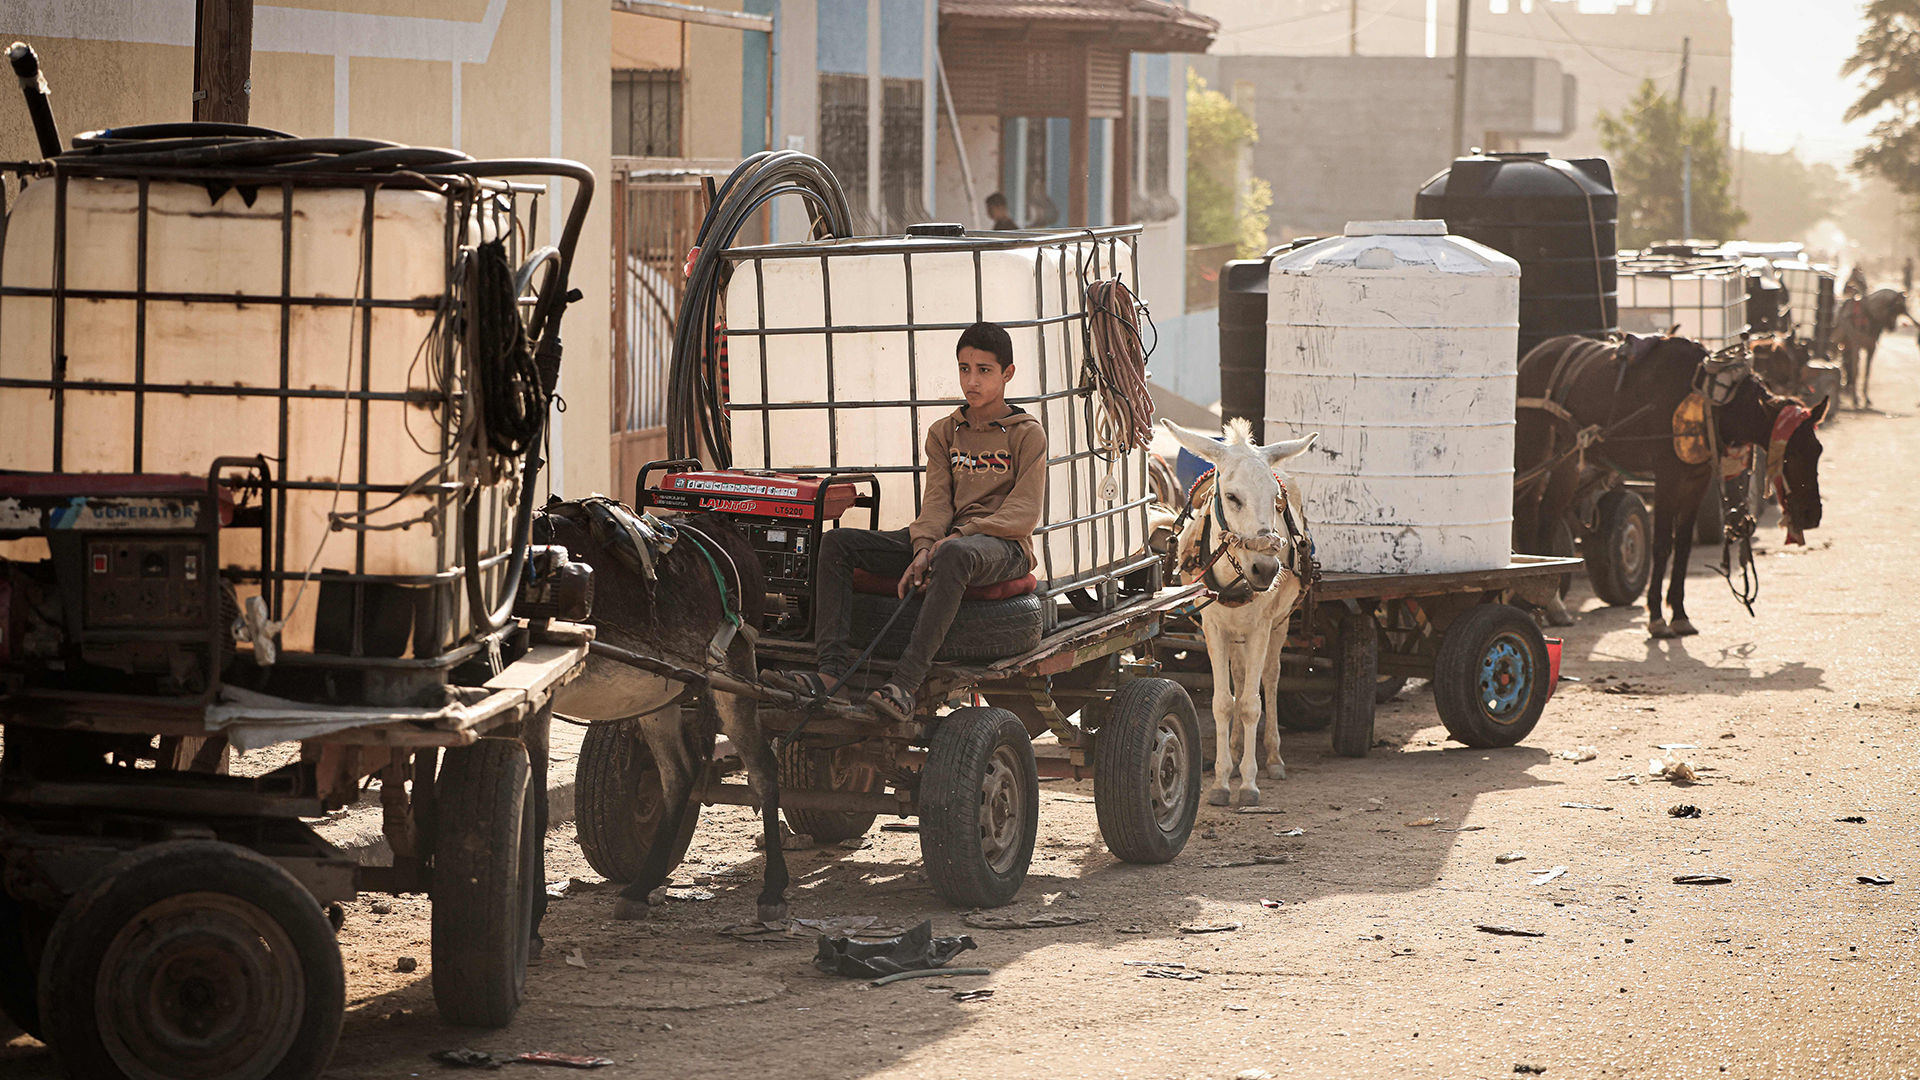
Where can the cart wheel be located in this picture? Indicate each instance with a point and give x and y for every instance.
(826, 770)
(1357, 680)
(1616, 552)
(1388, 687)
(1490, 680)
(618, 802)
(18, 972)
(1146, 771)
(193, 958)
(484, 877)
(979, 807)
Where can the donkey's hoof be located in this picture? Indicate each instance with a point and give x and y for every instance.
(1683, 628)
(1276, 771)
(1247, 796)
(1658, 628)
(774, 913)
(1218, 797)
(628, 910)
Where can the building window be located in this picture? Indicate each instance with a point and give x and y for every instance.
(1042, 211)
(902, 164)
(646, 113)
(1159, 203)
(843, 140)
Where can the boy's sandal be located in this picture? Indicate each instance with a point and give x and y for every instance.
(812, 684)
(892, 702)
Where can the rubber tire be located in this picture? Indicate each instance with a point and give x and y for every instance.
(1388, 688)
(981, 630)
(809, 769)
(613, 821)
(483, 882)
(950, 851)
(88, 925)
(19, 978)
(1123, 763)
(1456, 674)
(1618, 517)
(1357, 679)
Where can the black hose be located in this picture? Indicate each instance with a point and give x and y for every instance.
(26, 65)
(696, 409)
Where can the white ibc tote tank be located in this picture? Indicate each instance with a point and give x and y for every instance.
(1396, 343)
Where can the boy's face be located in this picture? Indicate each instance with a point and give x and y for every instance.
(982, 379)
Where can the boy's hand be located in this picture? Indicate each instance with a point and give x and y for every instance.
(916, 574)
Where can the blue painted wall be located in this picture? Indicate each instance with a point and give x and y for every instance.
(841, 38)
(902, 24)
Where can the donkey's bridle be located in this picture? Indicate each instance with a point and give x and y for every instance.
(1239, 591)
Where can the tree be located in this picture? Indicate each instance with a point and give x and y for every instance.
(1786, 196)
(1216, 213)
(1648, 141)
(1888, 58)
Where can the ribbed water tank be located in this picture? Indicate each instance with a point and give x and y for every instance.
(1396, 343)
(1557, 218)
(1243, 340)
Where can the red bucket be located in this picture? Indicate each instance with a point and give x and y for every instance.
(1553, 665)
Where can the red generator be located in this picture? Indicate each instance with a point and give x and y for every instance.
(781, 514)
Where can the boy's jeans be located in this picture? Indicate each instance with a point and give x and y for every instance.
(961, 562)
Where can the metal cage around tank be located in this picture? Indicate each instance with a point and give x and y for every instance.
(360, 615)
(1086, 540)
(1705, 295)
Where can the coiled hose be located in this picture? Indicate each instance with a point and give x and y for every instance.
(696, 405)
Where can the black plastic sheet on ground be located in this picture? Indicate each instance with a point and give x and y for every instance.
(915, 950)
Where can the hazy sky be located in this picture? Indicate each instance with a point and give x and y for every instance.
(1787, 90)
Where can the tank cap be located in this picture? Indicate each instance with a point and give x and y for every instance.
(936, 228)
(1429, 227)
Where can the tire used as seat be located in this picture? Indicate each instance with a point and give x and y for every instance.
(981, 630)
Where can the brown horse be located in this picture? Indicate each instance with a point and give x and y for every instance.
(673, 619)
(1857, 331)
(1635, 407)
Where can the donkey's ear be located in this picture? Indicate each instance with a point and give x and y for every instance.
(1820, 410)
(1291, 448)
(1205, 447)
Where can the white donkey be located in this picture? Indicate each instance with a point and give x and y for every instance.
(1247, 539)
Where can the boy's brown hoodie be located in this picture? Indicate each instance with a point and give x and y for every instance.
(988, 478)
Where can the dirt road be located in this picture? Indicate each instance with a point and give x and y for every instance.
(1372, 964)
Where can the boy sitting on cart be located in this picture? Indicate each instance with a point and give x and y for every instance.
(985, 482)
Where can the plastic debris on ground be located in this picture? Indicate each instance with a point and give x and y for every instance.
(915, 950)
(574, 959)
(464, 1058)
(1873, 879)
(1526, 1069)
(1583, 806)
(1683, 810)
(1579, 754)
(980, 920)
(1153, 963)
(557, 890)
(1423, 822)
(1257, 860)
(1702, 879)
(1170, 973)
(689, 895)
(1507, 931)
(1292, 832)
(1211, 928)
(1510, 857)
(1676, 746)
(565, 1061)
(1854, 819)
(1545, 876)
(1270, 905)
(1261, 810)
(1680, 772)
(971, 995)
(869, 927)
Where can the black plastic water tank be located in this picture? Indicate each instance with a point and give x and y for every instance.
(1243, 337)
(1557, 219)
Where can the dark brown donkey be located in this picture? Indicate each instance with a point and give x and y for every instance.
(1636, 409)
(673, 619)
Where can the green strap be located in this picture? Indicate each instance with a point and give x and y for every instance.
(719, 579)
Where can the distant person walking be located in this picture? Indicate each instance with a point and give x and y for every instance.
(997, 210)
(1906, 275)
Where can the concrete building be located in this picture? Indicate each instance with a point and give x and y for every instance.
(1352, 138)
(1607, 52)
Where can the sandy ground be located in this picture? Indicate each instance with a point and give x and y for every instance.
(1372, 963)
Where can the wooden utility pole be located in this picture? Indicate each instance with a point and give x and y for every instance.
(1460, 80)
(222, 60)
(1686, 55)
(1353, 27)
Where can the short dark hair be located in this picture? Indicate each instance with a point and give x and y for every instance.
(996, 199)
(988, 337)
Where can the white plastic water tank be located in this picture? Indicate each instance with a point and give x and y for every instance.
(1396, 343)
